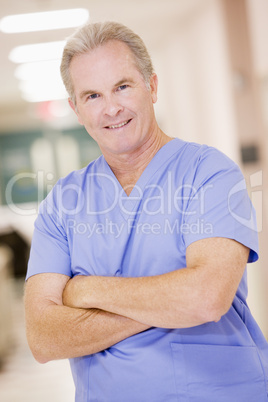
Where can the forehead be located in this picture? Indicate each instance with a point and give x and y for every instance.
(111, 60)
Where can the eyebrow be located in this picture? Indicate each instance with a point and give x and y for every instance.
(87, 92)
(123, 81)
(92, 91)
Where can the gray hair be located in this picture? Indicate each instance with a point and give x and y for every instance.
(90, 36)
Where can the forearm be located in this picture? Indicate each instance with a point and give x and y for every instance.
(187, 297)
(63, 332)
(160, 301)
(55, 331)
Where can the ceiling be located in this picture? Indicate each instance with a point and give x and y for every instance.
(154, 20)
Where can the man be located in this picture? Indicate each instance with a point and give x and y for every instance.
(137, 268)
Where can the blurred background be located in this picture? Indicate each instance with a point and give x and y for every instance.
(211, 58)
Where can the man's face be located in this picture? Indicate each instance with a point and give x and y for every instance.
(112, 99)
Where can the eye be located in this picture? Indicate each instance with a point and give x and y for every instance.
(93, 96)
(122, 87)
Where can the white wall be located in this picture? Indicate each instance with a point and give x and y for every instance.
(258, 279)
(195, 91)
(196, 104)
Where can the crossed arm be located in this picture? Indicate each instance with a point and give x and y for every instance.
(55, 331)
(68, 318)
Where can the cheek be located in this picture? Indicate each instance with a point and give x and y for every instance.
(88, 117)
(80, 119)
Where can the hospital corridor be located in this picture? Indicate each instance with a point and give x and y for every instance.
(21, 377)
(211, 60)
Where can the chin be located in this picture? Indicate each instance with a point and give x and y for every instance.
(123, 146)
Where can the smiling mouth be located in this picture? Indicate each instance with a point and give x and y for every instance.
(113, 126)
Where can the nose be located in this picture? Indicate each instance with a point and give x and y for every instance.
(112, 106)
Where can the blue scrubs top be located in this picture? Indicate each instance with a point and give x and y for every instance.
(88, 226)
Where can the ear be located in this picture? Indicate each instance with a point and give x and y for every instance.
(153, 87)
(75, 110)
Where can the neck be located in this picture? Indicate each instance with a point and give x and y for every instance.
(128, 167)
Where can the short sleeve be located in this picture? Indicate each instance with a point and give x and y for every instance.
(219, 205)
(49, 250)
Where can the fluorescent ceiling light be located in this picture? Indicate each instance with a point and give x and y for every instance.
(41, 81)
(41, 70)
(37, 52)
(42, 87)
(36, 91)
(44, 21)
(43, 97)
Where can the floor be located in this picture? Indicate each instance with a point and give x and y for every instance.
(22, 379)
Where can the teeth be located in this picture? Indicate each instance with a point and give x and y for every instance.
(119, 125)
